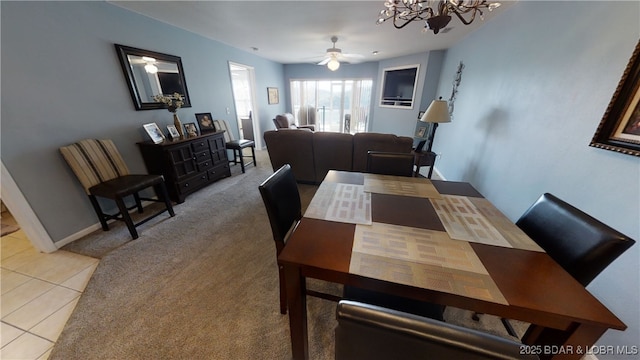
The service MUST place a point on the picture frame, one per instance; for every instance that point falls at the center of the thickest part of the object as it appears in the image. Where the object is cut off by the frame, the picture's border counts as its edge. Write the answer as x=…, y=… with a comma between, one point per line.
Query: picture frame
x=272, y=95
x=619, y=129
x=205, y=122
x=154, y=132
x=190, y=129
x=420, y=113
x=173, y=132
x=422, y=130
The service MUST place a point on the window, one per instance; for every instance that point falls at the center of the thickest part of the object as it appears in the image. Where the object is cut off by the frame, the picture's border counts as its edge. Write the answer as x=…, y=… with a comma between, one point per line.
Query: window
x=399, y=86
x=332, y=105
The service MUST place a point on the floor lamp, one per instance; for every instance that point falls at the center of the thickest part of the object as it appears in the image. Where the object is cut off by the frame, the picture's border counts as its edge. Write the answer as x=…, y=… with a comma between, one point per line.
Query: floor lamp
x=437, y=112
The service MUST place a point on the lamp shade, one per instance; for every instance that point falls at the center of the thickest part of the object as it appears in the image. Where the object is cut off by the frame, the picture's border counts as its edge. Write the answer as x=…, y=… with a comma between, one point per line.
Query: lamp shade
x=437, y=112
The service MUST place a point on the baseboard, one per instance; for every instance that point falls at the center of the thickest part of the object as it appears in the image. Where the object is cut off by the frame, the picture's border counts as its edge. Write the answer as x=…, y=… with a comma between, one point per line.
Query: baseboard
x=88, y=230
x=438, y=173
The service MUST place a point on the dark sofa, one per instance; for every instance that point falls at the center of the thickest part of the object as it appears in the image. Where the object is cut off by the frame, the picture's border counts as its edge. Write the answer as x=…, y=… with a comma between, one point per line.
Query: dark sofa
x=312, y=154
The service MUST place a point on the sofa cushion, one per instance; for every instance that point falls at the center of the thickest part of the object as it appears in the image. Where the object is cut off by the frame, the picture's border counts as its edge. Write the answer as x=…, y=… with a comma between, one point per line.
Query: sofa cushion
x=365, y=142
x=293, y=147
x=331, y=151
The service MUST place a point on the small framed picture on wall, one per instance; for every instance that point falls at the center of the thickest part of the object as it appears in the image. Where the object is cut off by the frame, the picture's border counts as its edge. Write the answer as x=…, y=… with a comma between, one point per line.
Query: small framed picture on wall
x=273, y=96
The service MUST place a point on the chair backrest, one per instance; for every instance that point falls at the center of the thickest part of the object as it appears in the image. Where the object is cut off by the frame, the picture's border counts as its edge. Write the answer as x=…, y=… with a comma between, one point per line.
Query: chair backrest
x=581, y=244
x=390, y=163
x=282, y=200
x=284, y=121
x=223, y=125
x=94, y=161
x=371, y=332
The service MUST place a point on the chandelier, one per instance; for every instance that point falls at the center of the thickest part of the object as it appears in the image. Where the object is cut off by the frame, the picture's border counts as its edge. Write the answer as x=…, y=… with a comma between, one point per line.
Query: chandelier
x=435, y=13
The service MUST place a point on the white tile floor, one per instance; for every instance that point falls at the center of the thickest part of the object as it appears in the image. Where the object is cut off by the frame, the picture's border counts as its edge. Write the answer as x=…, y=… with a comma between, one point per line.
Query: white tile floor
x=38, y=293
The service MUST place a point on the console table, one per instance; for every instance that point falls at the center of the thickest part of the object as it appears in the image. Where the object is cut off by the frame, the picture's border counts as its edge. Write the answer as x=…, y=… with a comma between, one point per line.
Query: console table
x=187, y=163
x=424, y=158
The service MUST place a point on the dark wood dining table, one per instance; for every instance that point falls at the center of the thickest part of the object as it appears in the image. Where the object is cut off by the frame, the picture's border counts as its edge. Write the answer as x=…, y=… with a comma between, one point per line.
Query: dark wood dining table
x=502, y=273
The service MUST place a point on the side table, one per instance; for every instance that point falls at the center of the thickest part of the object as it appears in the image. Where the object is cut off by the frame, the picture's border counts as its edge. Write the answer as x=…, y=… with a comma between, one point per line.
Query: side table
x=424, y=158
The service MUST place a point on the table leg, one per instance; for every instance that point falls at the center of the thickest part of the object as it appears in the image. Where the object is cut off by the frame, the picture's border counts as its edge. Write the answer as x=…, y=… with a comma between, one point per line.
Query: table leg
x=557, y=344
x=297, y=303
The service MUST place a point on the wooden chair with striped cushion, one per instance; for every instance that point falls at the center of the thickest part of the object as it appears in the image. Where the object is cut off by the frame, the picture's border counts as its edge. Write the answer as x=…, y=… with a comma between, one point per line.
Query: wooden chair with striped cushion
x=237, y=146
x=102, y=172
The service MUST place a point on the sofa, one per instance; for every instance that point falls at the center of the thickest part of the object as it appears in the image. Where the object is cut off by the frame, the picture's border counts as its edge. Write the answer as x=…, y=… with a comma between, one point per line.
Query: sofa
x=312, y=154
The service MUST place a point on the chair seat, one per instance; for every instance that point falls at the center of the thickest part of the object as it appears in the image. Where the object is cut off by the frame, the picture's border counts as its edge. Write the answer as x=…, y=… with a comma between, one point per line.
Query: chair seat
x=125, y=185
x=240, y=144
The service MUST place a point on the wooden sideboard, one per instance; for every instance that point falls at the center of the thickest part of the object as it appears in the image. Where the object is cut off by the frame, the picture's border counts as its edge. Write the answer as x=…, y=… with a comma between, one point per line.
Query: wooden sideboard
x=188, y=164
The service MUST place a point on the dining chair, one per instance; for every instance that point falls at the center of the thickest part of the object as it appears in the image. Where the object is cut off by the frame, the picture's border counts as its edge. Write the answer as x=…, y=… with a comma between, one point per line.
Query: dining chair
x=370, y=332
x=578, y=242
x=282, y=201
x=390, y=163
x=103, y=173
x=237, y=146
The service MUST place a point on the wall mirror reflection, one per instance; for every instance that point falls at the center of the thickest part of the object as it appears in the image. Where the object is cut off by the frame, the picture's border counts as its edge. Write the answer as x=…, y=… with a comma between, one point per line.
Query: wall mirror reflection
x=150, y=73
x=399, y=86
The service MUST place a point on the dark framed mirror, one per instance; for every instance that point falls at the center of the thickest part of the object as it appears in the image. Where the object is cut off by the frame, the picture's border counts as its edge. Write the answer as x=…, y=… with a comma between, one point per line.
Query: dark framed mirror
x=150, y=73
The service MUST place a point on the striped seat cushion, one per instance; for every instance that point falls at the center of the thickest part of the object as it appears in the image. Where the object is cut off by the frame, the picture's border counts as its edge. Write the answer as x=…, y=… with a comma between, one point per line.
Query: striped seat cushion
x=222, y=125
x=94, y=161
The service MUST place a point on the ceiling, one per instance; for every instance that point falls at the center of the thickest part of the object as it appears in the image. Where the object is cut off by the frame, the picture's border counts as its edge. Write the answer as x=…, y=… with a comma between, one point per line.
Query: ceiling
x=291, y=32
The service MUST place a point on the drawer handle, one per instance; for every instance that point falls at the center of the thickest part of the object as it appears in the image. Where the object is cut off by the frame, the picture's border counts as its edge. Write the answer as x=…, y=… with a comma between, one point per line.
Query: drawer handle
x=201, y=144
x=186, y=185
x=203, y=177
x=206, y=164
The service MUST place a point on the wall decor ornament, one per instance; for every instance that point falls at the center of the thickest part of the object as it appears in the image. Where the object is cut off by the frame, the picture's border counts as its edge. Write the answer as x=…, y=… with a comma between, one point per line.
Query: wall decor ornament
x=454, y=90
x=619, y=129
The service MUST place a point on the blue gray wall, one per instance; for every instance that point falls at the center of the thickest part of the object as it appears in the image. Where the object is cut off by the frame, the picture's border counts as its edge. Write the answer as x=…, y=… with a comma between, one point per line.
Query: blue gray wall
x=536, y=83
x=61, y=82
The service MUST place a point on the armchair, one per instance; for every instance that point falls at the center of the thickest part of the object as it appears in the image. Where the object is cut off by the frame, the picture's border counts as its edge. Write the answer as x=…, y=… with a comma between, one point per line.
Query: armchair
x=287, y=121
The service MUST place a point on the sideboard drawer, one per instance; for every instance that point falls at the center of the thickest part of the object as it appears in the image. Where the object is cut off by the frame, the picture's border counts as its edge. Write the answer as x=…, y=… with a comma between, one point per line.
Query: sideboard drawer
x=192, y=184
x=199, y=145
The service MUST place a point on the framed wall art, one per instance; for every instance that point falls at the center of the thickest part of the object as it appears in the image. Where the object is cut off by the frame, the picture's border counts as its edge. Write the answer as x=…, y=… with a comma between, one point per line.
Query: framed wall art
x=619, y=129
x=272, y=95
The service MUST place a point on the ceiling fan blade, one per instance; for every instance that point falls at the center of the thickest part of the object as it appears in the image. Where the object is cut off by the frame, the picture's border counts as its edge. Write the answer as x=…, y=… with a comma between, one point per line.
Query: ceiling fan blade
x=324, y=62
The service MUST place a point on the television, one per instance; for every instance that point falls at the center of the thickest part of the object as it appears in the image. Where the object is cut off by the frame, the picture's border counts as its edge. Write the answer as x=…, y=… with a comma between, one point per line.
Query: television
x=399, y=86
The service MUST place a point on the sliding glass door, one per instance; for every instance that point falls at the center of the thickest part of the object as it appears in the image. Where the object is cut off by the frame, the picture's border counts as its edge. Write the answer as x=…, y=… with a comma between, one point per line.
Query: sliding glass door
x=332, y=105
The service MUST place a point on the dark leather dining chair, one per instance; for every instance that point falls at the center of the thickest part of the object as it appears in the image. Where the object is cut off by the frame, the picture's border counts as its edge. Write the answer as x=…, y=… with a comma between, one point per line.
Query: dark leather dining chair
x=282, y=201
x=103, y=173
x=390, y=163
x=376, y=333
x=581, y=244
x=236, y=146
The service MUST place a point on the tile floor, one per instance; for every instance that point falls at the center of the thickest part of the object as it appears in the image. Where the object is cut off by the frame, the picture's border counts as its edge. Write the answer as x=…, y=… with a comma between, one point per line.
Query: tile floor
x=38, y=293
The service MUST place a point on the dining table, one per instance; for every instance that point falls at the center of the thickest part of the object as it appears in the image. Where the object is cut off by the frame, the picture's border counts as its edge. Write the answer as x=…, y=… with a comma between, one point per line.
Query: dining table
x=440, y=242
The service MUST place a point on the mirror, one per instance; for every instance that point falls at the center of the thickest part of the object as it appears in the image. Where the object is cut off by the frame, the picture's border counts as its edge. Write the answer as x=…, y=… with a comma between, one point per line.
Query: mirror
x=399, y=86
x=150, y=73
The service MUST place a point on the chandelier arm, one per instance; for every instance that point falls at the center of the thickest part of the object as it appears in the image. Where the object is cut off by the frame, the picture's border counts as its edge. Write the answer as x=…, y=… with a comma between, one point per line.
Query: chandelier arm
x=473, y=16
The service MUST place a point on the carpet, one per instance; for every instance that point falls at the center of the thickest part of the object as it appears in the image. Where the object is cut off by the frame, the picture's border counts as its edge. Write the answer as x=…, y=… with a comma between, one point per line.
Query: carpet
x=200, y=285
x=7, y=229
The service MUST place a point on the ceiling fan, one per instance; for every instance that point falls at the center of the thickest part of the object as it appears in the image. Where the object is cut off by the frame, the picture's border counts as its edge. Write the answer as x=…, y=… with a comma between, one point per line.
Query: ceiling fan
x=335, y=56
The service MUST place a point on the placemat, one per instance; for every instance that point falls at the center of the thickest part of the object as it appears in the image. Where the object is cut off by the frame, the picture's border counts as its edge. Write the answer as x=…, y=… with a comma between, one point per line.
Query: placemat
x=396, y=185
x=421, y=258
x=339, y=202
x=512, y=233
x=464, y=221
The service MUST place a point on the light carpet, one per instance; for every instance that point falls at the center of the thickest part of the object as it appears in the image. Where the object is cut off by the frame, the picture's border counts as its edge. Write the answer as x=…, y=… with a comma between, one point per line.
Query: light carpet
x=200, y=285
